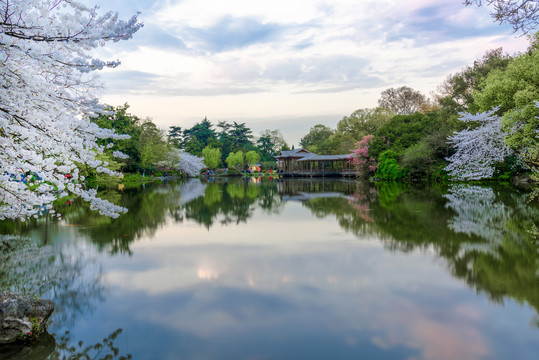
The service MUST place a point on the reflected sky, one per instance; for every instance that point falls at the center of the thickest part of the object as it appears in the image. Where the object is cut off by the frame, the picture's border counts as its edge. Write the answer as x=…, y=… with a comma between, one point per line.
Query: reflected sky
x=293, y=283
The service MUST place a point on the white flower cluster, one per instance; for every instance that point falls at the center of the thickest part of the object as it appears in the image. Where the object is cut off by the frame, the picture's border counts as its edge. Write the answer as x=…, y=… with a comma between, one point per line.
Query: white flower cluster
x=477, y=149
x=190, y=164
x=47, y=99
x=119, y=155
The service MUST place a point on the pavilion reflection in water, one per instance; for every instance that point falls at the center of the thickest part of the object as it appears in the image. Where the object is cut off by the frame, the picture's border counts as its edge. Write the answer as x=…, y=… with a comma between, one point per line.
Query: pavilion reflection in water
x=311, y=188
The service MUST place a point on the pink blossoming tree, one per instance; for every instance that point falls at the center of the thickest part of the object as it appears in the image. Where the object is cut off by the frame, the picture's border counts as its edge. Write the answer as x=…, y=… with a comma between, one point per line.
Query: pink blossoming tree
x=363, y=162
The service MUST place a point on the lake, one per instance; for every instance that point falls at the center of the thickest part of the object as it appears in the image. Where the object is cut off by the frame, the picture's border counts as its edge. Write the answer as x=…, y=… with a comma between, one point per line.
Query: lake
x=285, y=269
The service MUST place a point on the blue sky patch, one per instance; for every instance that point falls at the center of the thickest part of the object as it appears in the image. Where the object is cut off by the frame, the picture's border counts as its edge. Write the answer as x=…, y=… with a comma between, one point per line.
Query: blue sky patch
x=233, y=33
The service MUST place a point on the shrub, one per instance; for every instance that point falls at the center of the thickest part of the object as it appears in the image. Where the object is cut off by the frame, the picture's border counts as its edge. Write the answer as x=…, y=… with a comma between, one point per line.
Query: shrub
x=388, y=167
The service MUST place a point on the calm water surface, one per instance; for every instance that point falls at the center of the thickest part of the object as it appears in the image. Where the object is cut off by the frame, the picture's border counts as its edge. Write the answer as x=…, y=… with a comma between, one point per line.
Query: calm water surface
x=297, y=269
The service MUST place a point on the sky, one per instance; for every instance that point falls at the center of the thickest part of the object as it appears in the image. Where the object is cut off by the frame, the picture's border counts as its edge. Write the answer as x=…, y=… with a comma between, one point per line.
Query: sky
x=288, y=65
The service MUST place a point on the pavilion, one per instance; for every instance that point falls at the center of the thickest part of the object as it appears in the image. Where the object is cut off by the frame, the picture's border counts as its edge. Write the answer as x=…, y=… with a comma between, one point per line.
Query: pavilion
x=303, y=163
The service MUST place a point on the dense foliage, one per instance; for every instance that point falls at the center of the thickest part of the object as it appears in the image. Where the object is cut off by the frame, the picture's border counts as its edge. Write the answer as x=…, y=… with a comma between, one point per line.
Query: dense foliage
x=218, y=147
x=402, y=101
x=482, y=124
x=515, y=90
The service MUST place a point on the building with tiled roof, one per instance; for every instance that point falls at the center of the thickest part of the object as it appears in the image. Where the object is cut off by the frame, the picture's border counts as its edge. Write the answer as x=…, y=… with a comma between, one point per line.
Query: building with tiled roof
x=300, y=162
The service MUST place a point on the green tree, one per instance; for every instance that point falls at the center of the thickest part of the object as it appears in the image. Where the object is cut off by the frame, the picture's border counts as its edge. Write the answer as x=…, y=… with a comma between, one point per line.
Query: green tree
x=353, y=128
x=152, y=145
x=241, y=135
x=235, y=160
x=234, y=137
x=193, y=146
x=175, y=136
x=275, y=139
x=403, y=131
x=252, y=157
x=316, y=136
x=270, y=143
x=343, y=143
x=515, y=90
x=124, y=123
x=225, y=139
x=328, y=146
x=403, y=100
x=93, y=177
x=204, y=133
x=364, y=122
x=455, y=93
x=426, y=159
x=212, y=157
x=265, y=146
x=388, y=167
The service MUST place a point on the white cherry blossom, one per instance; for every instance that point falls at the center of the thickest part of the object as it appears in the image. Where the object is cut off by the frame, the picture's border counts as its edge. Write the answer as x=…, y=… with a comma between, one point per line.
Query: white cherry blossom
x=47, y=98
x=190, y=164
x=477, y=149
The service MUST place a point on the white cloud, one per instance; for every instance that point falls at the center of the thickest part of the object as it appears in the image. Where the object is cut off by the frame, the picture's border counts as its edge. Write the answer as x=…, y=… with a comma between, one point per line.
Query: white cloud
x=208, y=12
x=262, y=59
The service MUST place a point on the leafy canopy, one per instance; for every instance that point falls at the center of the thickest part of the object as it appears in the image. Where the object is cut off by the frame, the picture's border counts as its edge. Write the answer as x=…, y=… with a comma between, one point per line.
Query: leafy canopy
x=212, y=157
x=403, y=100
x=515, y=92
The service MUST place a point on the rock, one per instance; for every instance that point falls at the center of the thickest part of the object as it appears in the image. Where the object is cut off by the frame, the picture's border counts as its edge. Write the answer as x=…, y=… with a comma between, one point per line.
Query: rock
x=22, y=318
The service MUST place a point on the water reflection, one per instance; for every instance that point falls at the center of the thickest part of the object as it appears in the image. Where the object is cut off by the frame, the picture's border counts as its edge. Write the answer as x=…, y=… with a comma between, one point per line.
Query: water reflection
x=498, y=257
x=41, y=350
x=232, y=202
x=298, y=269
x=50, y=348
x=69, y=275
x=493, y=217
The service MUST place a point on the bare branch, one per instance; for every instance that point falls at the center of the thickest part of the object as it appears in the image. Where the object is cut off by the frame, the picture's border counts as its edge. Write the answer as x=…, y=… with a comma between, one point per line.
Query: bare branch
x=522, y=15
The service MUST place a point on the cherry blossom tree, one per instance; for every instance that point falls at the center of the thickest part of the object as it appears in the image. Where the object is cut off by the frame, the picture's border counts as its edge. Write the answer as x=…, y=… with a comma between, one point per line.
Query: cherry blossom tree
x=189, y=164
x=361, y=159
x=181, y=160
x=477, y=149
x=47, y=99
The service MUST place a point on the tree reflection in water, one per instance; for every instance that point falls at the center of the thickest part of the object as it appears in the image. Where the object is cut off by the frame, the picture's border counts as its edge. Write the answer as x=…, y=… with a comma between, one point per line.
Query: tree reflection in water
x=480, y=233
x=69, y=276
x=498, y=257
x=63, y=348
x=232, y=202
x=104, y=350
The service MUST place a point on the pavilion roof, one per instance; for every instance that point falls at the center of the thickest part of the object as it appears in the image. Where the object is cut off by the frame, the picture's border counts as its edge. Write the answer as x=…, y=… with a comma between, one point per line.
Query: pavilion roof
x=296, y=153
x=315, y=157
